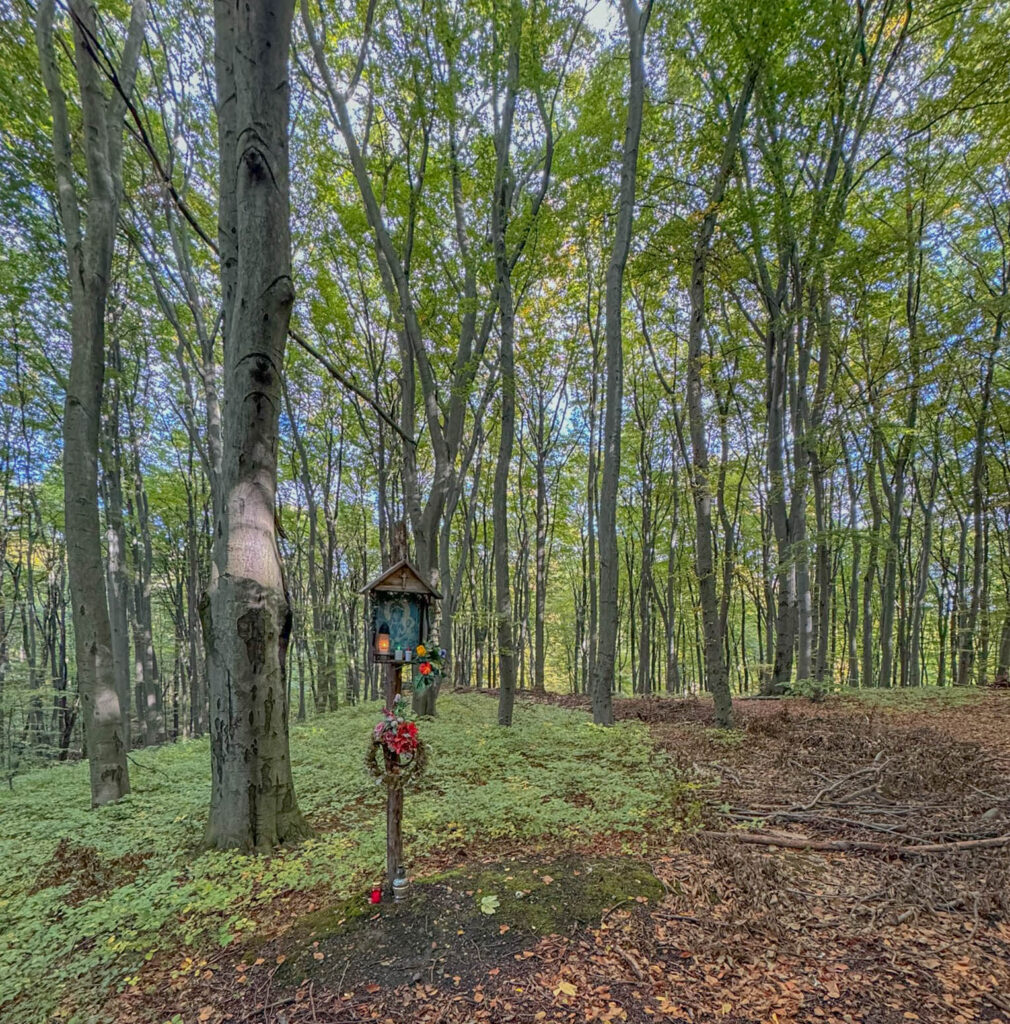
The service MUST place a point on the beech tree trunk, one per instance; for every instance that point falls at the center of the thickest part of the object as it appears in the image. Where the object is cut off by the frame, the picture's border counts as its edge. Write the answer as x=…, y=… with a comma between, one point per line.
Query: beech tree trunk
x=247, y=615
x=506, y=309
x=89, y=233
x=636, y=20
x=716, y=676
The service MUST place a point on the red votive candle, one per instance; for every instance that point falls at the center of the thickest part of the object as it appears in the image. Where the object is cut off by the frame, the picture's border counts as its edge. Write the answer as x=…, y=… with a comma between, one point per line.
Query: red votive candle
x=376, y=896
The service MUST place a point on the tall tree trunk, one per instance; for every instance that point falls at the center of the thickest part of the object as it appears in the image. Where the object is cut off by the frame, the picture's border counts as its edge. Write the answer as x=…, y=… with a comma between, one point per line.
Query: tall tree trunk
x=921, y=580
x=716, y=676
x=89, y=249
x=542, y=512
x=115, y=546
x=852, y=619
x=253, y=804
x=871, y=575
x=503, y=277
x=966, y=640
x=636, y=20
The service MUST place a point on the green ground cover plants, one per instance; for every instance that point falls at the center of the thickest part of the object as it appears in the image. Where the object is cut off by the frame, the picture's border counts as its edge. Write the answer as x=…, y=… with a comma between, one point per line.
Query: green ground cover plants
x=94, y=894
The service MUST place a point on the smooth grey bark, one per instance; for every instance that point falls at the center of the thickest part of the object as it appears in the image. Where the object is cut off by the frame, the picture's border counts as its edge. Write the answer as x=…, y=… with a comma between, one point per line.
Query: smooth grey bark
x=319, y=596
x=969, y=619
x=642, y=670
x=852, y=616
x=503, y=188
x=636, y=21
x=115, y=546
x=247, y=611
x=592, y=505
x=894, y=490
x=927, y=505
x=1003, y=655
x=150, y=703
x=89, y=232
x=716, y=676
x=871, y=575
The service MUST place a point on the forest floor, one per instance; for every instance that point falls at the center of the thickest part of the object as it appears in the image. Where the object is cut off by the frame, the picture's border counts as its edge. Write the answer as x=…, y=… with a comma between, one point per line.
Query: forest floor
x=786, y=887
x=660, y=870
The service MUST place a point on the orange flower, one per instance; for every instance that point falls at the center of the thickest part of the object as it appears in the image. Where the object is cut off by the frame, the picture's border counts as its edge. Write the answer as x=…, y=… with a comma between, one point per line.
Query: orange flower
x=424, y=668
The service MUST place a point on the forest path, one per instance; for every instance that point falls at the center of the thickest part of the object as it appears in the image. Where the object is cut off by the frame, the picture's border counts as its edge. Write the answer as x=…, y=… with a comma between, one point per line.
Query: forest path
x=746, y=933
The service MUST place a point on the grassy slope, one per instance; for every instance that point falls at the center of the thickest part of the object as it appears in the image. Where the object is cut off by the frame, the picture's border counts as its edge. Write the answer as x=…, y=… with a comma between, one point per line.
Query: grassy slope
x=70, y=939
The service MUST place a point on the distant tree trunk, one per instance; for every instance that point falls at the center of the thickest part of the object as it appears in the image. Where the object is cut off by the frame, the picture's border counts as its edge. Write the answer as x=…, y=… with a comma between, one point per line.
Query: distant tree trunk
x=673, y=680
x=870, y=576
x=636, y=20
x=198, y=700
x=150, y=701
x=643, y=591
x=542, y=512
x=969, y=618
x=593, y=620
x=115, y=546
x=326, y=673
x=89, y=249
x=716, y=676
x=921, y=581
x=852, y=620
x=248, y=621
x=1003, y=658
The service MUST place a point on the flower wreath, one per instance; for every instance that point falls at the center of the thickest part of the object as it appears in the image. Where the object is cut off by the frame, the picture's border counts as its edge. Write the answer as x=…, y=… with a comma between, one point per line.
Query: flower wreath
x=403, y=754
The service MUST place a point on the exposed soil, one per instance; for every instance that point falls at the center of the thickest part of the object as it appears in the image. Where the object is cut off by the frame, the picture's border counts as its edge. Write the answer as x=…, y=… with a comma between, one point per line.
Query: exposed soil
x=450, y=931
x=745, y=928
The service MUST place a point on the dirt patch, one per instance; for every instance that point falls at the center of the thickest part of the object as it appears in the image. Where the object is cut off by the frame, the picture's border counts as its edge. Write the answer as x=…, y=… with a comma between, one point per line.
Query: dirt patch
x=88, y=873
x=454, y=928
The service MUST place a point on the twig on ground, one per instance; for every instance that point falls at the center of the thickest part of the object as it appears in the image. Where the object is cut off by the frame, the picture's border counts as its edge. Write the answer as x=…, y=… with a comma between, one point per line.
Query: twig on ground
x=876, y=767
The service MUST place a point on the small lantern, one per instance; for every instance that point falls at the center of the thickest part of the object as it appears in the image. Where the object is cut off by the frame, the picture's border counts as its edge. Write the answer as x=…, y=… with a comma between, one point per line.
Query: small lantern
x=382, y=641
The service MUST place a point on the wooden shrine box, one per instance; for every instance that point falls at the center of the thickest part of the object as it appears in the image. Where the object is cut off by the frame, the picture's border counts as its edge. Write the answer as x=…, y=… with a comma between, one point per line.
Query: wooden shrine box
x=400, y=606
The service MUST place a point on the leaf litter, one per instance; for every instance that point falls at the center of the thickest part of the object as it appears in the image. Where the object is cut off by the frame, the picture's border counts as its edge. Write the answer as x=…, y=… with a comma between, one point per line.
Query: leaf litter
x=745, y=931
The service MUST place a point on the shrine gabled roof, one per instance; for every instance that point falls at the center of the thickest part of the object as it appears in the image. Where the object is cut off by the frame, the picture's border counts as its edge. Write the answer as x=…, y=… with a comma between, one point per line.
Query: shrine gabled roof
x=401, y=578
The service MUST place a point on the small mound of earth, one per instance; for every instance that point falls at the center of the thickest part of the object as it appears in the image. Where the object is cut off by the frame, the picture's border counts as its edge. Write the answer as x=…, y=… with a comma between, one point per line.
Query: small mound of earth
x=453, y=929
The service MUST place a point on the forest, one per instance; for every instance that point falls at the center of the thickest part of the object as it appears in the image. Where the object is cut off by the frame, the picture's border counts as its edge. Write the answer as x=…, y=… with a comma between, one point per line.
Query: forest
x=664, y=340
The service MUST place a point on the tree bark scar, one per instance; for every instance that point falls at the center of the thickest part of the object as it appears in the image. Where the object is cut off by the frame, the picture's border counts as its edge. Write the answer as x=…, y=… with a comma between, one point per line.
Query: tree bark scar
x=252, y=629
x=268, y=710
x=262, y=372
x=256, y=164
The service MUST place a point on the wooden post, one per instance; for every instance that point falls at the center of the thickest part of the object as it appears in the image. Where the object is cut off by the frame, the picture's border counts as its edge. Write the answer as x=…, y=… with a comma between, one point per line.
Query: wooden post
x=394, y=793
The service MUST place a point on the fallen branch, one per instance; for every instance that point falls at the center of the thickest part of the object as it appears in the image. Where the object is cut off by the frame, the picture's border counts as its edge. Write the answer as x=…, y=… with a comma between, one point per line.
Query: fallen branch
x=843, y=845
x=876, y=767
x=997, y=1000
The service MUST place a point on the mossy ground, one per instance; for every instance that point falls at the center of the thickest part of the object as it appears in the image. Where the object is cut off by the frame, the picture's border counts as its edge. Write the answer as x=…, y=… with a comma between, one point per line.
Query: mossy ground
x=443, y=934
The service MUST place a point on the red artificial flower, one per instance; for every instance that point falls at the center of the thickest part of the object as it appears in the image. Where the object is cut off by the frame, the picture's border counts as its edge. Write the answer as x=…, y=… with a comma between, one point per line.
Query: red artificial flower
x=424, y=668
x=404, y=739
